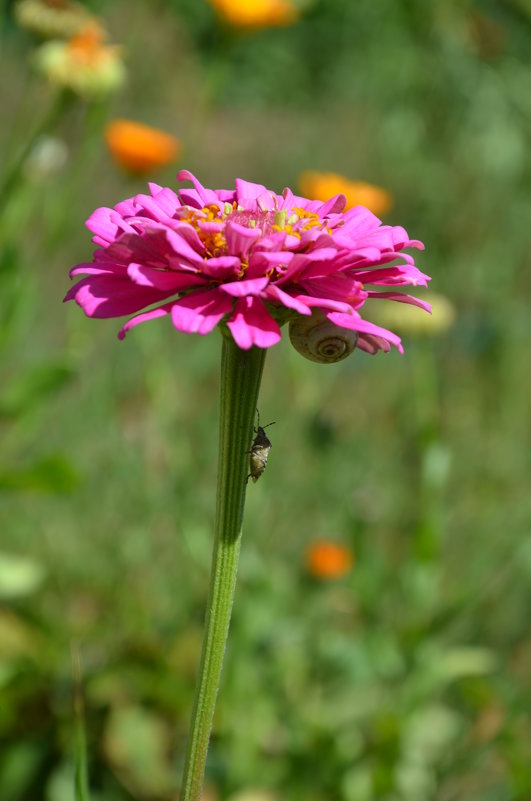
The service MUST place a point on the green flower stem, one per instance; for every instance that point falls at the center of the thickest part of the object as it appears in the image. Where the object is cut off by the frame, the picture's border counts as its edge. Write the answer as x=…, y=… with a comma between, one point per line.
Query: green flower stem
x=81, y=773
x=12, y=175
x=241, y=373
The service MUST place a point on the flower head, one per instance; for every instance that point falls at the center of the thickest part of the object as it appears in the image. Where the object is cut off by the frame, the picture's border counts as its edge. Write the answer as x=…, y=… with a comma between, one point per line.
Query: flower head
x=316, y=185
x=84, y=64
x=246, y=258
x=140, y=148
x=329, y=560
x=256, y=13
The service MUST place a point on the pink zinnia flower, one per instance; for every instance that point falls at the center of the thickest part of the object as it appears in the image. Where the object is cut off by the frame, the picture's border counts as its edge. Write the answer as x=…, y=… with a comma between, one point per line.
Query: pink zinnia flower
x=247, y=257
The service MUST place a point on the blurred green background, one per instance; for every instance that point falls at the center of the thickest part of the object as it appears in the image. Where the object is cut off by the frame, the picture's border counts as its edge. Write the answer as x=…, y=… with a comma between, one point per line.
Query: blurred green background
x=409, y=679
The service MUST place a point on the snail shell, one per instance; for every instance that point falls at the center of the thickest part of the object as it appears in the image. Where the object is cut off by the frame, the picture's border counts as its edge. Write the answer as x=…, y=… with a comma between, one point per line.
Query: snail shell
x=319, y=340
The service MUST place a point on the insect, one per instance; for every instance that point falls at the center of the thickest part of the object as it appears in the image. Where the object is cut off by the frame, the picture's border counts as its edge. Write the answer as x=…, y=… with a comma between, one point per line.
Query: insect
x=259, y=451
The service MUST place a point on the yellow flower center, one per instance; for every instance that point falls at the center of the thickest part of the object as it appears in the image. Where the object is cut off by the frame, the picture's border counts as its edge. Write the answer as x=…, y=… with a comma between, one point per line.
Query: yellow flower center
x=214, y=242
x=293, y=222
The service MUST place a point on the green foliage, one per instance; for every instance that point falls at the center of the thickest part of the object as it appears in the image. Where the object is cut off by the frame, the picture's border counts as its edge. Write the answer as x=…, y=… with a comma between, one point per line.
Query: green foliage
x=407, y=679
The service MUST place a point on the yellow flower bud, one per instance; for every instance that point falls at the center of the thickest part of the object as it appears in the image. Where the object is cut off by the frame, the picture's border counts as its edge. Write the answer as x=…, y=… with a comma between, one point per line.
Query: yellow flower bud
x=410, y=320
x=84, y=64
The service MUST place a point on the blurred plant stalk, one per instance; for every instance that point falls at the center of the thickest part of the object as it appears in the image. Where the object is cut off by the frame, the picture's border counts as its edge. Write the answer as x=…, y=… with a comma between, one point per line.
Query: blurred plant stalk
x=13, y=174
x=82, y=67
x=241, y=373
x=80, y=750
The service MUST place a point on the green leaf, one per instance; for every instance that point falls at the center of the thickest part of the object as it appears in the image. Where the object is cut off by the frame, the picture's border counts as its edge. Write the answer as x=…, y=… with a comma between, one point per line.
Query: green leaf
x=429, y=733
x=18, y=639
x=53, y=473
x=33, y=386
x=18, y=767
x=460, y=662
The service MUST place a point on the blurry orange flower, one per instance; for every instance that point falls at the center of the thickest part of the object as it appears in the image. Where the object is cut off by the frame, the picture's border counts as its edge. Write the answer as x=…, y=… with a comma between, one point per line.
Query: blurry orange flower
x=256, y=13
x=329, y=560
x=85, y=63
x=324, y=185
x=140, y=148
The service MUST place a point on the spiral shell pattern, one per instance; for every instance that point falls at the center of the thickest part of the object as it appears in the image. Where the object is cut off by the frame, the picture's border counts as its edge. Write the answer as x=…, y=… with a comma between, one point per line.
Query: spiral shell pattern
x=319, y=340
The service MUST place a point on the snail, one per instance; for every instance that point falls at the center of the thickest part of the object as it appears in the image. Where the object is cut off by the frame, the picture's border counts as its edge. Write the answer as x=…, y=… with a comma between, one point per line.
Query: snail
x=318, y=339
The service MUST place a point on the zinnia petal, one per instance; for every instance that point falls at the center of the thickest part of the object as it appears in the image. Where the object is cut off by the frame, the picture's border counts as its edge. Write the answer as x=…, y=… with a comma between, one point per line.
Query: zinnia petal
x=204, y=196
x=165, y=198
x=274, y=292
x=355, y=323
x=106, y=224
x=166, y=281
x=245, y=190
x=398, y=275
x=332, y=206
x=221, y=267
x=161, y=311
x=251, y=324
x=239, y=289
x=200, y=312
x=402, y=297
x=180, y=247
x=240, y=239
x=112, y=296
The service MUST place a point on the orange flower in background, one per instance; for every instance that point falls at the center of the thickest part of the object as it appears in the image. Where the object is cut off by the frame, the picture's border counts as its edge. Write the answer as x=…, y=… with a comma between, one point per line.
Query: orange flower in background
x=329, y=560
x=140, y=148
x=256, y=13
x=324, y=185
x=88, y=47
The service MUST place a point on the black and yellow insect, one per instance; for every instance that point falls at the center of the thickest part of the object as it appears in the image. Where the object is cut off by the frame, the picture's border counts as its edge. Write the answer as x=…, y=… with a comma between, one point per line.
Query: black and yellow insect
x=259, y=452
